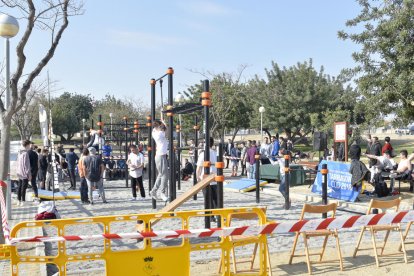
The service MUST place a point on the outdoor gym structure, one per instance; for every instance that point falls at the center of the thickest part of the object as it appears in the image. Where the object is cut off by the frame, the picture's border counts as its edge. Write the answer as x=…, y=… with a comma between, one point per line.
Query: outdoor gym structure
x=187, y=108
x=125, y=132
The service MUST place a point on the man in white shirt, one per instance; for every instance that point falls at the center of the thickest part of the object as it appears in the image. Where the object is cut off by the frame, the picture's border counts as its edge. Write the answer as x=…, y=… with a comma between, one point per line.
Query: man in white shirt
x=213, y=169
x=265, y=151
x=135, y=165
x=161, y=163
x=385, y=162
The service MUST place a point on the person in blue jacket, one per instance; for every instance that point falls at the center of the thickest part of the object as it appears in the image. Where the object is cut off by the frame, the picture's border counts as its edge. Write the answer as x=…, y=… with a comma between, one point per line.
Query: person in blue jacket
x=106, y=149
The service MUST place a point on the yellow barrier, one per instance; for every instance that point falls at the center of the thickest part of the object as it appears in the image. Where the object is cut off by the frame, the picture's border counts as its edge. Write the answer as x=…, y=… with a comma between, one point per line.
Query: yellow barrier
x=133, y=258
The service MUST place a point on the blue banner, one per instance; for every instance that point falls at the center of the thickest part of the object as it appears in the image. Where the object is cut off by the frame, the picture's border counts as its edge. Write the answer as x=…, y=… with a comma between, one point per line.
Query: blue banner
x=339, y=181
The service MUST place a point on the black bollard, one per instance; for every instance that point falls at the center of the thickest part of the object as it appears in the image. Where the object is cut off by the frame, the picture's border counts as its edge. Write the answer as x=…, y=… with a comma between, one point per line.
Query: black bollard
x=287, y=182
x=257, y=175
x=324, y=173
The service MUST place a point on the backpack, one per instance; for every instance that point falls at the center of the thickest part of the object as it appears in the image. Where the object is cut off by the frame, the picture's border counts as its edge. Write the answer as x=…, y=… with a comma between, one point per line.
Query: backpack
x=381, y=188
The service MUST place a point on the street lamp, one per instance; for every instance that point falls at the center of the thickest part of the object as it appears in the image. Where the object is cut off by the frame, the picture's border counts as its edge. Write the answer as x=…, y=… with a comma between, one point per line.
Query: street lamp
x=83, y=131
x=261, y=110
x=179, y=99
x=110, y=116
x=9, y=27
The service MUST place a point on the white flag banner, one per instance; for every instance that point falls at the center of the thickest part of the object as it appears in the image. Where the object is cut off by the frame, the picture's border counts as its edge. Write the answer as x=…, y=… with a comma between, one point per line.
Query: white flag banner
x=43, y=125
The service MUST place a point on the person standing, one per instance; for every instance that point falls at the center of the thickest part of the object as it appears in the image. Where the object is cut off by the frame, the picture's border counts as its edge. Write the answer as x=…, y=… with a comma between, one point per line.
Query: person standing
x=72, y=159
x=213, y=170
x=275, y=147
x=282, y=185
x=234, y=154
x=161, y=163
x=250, y=158
x=106, y=149
x=135, y=165
x=23, y=172
x=387, y=146
x=43, y=165
x=265, y=151
x=34, y=167
x=93, y=171
x=243, y=152
x=375, y=149
x=83, y=183
x=227, y=152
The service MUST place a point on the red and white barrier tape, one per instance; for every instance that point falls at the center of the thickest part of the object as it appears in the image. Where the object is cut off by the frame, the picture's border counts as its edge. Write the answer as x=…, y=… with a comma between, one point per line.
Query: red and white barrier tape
x=231, y=158
x=4, y=222
x=342, y=222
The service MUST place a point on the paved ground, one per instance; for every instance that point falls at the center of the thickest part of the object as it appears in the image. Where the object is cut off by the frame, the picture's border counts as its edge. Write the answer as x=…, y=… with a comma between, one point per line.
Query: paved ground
x=118, y=197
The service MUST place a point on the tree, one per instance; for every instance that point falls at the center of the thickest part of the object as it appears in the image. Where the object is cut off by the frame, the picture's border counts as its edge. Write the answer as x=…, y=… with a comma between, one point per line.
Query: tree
x=385, y=65
x=26, y=120
x=68, y=110
x=133, y=109
x=47, y=15
x=230, y=99
x=290, y=95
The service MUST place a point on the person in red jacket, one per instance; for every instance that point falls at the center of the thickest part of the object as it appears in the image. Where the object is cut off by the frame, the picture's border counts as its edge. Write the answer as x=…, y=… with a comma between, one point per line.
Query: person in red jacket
x=387, y=146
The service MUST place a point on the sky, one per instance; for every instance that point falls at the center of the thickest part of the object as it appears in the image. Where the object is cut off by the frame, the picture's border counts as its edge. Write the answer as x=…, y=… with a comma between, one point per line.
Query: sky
x=116, y=47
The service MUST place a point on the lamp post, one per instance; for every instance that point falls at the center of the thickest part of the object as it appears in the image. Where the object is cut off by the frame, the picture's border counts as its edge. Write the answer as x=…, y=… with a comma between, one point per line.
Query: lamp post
x=179, y=99
x=261, y=110
x=83, y=131
x=9, y=27
x=110, y=116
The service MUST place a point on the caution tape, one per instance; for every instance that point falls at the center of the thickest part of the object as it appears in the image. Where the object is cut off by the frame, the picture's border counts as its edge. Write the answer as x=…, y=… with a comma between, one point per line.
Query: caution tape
x=342, y=222
x=4, y=222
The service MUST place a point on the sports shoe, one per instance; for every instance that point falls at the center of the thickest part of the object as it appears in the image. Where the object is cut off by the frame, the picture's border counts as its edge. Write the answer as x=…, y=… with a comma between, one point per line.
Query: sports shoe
x=133, y=199
x=164, y=197
x=153, y=194
x=22, y=203
x=105, y=201
x=142, y=198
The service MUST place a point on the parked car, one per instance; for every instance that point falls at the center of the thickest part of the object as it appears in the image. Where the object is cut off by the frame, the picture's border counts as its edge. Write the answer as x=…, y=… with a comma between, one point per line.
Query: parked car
x=405, y=131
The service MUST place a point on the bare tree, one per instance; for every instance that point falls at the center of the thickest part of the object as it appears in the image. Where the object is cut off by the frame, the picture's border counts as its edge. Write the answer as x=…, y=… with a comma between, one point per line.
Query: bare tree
x=26, y=119
x=46, y=15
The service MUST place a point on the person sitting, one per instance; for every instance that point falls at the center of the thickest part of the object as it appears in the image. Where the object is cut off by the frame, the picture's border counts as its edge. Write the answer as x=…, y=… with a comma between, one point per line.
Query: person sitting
x=358, y=170
x=110, y=167
x=384, y=164
x=404, y=169
x=121, y=168
x=187, y=171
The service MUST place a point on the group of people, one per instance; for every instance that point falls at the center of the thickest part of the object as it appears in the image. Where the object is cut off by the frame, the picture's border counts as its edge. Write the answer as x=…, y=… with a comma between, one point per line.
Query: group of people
x=244, y=153
x=381, y=165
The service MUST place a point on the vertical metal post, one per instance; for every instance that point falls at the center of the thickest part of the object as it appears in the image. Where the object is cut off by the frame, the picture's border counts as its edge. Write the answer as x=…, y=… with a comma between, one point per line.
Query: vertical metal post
x=152, y=142
x=126, y=150
x=178, y=130
x=100, y=134
x=324, y=173
x=149, y=153
x=196, y=128
x=287, y=182
x=7, y=104
x=257, y=176
x=172, y=184
x=220, y=179
x=206, y=103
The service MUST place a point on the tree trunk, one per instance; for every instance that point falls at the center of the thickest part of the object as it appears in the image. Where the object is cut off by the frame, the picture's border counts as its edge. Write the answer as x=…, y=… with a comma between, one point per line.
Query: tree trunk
x=4, y=159
x=236, y=130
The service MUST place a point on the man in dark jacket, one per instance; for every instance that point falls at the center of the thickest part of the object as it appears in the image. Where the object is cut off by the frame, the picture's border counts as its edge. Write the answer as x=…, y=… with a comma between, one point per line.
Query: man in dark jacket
x=34, y=167
x=72, y=159
x=375, y=150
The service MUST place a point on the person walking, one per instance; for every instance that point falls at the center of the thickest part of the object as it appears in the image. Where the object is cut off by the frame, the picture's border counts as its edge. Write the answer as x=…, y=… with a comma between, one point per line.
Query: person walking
x=135, y=165
x=161, y=163
x=72, y=159
x=93, y=171
x=23, y=172
x=34, y=167
x=282, y=185
x=83, y=182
